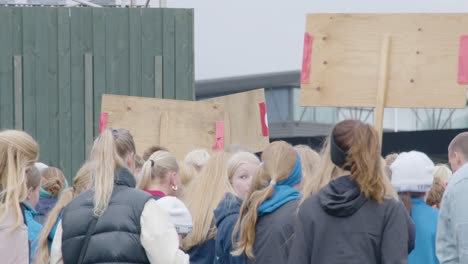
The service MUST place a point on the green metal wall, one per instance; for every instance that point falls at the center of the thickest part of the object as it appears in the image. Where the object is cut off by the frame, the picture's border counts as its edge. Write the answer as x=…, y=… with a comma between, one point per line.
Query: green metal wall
x=55, y=63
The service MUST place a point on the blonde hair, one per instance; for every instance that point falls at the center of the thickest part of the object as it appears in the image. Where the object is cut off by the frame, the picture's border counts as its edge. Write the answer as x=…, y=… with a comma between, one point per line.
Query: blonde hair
x=33, y=178
x=278, y=159
x=324, y=173
x=238, y=160
x=442, y=172
x=157, y=166
x=310, y=160
x=197, y=158
x=53, y=181
x=139, y=162
x=187, y=173
x=149, y=151
x=18, y=152
x=203, y=196
x=108, y=153
x=434, y=196
x=81, y=183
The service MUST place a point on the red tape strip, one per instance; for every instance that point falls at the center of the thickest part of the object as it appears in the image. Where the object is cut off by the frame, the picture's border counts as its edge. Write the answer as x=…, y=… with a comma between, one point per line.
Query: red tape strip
x=103, y=121
x=308, y=39
x=264, y=119
x=463, y=60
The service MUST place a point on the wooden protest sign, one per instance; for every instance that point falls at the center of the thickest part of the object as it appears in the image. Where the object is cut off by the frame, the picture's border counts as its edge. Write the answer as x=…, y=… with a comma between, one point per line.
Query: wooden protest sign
x=184, y=125
x=385, y=60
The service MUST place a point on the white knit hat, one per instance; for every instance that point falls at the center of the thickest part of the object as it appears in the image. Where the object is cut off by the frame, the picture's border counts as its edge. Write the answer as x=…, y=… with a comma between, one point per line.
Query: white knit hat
x=412, y=172
x=40, y=166
x=179, y=215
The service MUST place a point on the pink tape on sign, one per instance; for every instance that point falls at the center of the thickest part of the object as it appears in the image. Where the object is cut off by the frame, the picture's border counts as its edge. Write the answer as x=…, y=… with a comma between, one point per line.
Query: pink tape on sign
x=463, y=60
x=103, y=122
x=306, y=58
x=219, y=136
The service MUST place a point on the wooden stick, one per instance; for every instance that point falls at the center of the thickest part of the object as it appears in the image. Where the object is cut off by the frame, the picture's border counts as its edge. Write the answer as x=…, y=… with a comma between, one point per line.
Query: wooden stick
x=382, y=86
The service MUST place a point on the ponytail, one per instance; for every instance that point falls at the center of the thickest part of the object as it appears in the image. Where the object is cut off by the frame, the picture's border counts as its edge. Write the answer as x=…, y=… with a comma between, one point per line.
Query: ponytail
x=42, y=253
x=106, y=159
x=144, y=181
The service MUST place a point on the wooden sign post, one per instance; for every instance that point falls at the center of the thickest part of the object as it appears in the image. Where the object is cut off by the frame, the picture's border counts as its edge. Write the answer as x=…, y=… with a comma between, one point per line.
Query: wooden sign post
x=385, y=60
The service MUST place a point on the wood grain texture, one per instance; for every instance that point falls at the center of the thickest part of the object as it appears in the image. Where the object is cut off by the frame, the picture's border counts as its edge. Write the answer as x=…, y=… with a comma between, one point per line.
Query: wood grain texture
x=423, y=60
x=242, y=123
x=178, y=125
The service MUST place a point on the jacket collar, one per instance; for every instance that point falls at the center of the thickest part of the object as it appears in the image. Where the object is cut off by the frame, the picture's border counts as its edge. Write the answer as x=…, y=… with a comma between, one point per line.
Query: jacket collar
x=125, y=178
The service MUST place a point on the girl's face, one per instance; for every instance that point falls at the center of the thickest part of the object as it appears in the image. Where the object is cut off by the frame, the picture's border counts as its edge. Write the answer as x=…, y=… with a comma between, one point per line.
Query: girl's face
x=242, y=178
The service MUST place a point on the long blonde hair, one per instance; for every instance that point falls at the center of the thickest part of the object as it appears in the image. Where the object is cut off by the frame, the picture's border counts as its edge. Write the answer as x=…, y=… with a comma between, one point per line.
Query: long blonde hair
x=81, y=183
x=442, y=172
x=108, y=153
x=53, y=181
x=197, y=158
x=323, y=174
x=18, y=152
x=203, y=196
x=157, y=166
x=310, y=160
x=238, y=160
x=278, y=160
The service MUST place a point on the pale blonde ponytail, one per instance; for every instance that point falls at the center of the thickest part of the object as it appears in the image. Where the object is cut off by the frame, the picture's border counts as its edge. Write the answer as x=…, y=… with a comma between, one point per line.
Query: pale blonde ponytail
x=105, y=154
x=18, y=152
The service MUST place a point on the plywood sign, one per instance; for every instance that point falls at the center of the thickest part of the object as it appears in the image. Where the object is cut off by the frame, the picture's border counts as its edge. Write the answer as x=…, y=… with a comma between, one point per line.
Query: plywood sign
x=345, y=53
x=245, y=122
x=178, y=125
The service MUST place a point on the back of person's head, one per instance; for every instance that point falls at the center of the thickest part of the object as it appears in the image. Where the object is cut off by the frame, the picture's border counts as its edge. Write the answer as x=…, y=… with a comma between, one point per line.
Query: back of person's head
x=40, y=166
x=325, y=172
x=412, y=176
x=245, y=165
x=310, y=160
x=179, y=215
x=442, y=172
x=187, y=173
x=389, y=159
x=356, y=147
x=113, y=149
x=197, y=158
x=33, y=182
x=434, y=196
x=278, y=160
x=202, y=197
x=18, y=152
x=161, y=166
x=458, y=151
x=53, y=181
x=149, y=151
x=81, y=183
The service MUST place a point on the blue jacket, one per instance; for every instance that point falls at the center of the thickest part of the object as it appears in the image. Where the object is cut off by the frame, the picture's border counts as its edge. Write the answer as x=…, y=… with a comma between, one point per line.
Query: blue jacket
x=425, y=220
x=43, y=208
x=34, y=229
x=226, y=217
x=203, y=253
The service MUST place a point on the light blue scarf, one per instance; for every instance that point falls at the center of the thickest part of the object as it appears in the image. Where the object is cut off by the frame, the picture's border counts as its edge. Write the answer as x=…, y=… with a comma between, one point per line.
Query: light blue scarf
x=284, y=191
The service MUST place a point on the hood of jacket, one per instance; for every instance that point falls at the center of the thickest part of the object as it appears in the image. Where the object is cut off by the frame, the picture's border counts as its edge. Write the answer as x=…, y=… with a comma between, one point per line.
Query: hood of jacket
x=230, y=205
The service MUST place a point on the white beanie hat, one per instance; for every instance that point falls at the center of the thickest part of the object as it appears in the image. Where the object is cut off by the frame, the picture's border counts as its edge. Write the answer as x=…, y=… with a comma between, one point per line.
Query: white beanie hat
x=412, y=172
x=179, y=215
x=40, y=166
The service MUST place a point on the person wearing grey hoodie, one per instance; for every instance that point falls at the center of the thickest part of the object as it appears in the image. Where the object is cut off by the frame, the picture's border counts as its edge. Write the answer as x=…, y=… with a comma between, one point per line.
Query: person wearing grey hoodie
x=350, y=220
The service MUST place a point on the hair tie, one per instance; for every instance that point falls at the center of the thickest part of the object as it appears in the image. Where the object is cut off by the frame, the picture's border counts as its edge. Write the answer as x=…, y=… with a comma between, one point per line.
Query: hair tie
x=272, y=182
x=152, y=163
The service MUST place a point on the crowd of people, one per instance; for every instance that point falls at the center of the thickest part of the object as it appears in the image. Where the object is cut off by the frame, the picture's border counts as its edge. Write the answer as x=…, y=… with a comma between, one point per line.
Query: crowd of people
x=289, y=204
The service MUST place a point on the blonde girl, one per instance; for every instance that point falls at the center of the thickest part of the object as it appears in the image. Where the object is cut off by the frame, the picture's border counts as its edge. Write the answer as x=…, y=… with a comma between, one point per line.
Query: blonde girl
x=53, y=183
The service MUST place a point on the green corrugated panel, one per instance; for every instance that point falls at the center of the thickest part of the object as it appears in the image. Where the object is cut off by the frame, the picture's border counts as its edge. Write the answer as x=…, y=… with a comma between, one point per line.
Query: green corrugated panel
x=99, y=62
x=29, y=71
x=64, y=85
x=119, y=19
x=135, y=51
x=6, y=69
x=184, y=55
x=149, y=49
x=41, y=83
x=111, y=66
x=169, y=54
x=53, y=90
